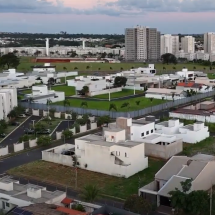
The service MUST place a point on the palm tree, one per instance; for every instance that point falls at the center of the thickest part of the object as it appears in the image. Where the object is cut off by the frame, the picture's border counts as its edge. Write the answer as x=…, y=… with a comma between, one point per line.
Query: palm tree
x=64, y=68
x=30, y=100
x=49, y=101
x=112, y=107
x=66, y=103
x=151, y=100
x=84, y=104
x=137, y=103
x=90, y=193
x=126, y=104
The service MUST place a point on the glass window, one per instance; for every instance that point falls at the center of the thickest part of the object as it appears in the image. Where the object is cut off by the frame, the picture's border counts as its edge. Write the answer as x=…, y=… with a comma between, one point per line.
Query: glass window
x=147, y=132
x=142, y=135
x=152, y=131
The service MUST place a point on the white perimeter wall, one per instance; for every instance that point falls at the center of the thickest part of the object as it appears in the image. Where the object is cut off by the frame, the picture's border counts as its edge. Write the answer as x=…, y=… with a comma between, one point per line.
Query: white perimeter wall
x=113, y=90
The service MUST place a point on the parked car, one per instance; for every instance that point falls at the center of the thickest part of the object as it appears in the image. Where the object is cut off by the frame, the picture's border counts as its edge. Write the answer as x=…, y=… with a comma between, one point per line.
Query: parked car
x=22, y=116
x=15, y=123
x=2, y=135
x=29, y=131
x=45, y=131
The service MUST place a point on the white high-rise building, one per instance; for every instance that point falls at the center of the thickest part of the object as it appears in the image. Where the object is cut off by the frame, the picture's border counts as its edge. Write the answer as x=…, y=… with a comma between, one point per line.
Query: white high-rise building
x=188, y=44
x=8, y=100
x=209, y=42
x=47, y=46
x=169, y=44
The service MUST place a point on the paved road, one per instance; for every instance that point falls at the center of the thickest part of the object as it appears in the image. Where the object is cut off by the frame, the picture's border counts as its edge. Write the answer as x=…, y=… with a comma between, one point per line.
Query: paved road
x=63, y=126
x=14, y=136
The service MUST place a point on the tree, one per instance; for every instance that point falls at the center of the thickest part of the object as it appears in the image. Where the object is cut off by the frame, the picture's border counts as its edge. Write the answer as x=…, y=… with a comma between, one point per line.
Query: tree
x=192, y=203
x=103, y=120
x=44, y=140
x=52, y=111
x=137, y=103
x=84, y=104
x=67, y=134
x=90, y=193
x=3, y=124
x=66, y=103
x=126, y=104
x=168, y=58
x=40, y=126
x=9, y=60
x=87, y=67
x=103, y=55
x=137, y=204
x=85, y=90
x=112, y=107
x=120, y=81
x=85, y=117
x=74, y=116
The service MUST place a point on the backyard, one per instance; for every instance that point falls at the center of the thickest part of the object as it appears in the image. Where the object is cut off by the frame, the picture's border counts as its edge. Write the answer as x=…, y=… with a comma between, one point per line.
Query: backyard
x=109, y=185
x=104, y=105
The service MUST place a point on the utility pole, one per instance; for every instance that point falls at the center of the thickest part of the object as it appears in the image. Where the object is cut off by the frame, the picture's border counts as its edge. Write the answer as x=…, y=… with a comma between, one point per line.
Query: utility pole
x=109, y=90
x=134, y=83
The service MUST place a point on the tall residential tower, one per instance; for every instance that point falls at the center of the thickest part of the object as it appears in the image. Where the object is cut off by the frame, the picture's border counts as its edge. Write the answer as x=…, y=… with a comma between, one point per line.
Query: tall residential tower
x=188, y=44
x=209, y=42
x=169, y=44
x=142, y=43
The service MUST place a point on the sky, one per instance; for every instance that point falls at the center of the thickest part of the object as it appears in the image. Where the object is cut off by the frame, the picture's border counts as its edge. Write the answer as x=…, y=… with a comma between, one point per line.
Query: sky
x=106, y=16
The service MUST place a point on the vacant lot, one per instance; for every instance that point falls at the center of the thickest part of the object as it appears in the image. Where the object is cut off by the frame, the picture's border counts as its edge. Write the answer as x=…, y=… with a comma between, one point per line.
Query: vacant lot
x=62, y=175
x=26, y=65
x=104, y=105
x=123, y=93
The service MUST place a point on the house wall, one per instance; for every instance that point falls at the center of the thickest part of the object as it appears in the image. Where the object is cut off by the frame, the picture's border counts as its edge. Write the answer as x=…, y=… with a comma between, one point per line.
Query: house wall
x=18, y=147
x=163, y=152
x=112, y=90
x=99, y=159
x=189, y=136
x=200, y=118
x=112, y=136
x=172, y=129
x=160, y=96
x=4, y=151
x=54, y=155
x=137, y=130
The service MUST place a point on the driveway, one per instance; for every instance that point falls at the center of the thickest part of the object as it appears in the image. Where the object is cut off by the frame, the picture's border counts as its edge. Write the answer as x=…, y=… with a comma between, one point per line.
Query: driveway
x=15, y=135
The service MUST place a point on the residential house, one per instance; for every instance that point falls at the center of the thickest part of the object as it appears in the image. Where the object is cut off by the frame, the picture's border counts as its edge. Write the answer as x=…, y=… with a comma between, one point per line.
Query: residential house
x=196, y=87
x=166, y=94
x=13, y=194
x=200, y=168
x=192, y=133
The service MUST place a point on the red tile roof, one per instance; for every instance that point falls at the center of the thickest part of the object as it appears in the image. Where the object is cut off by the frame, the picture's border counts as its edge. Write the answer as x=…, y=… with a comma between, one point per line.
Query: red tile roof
x=70, y=211
x=183, y=84
x=67, y=201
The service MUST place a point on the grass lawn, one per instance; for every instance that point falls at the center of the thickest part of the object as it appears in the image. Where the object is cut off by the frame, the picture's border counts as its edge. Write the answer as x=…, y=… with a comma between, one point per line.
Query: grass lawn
x=69, y=91
x=109, y=185
x=104, y=105
x=26, y=64
x=123, y=93
x=206, y=146
x=211, y=75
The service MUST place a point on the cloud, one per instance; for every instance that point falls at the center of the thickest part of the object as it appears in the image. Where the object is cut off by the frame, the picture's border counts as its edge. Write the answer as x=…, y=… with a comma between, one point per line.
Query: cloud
x=144, y=6
x=35, y=6
x=112, y=8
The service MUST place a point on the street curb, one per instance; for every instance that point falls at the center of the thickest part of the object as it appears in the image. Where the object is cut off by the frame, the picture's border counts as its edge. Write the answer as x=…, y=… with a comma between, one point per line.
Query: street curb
x=15, y=129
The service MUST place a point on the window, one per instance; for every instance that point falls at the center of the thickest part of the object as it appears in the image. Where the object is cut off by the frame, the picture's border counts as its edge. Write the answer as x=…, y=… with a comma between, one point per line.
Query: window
x=142, y=135
x=147, y=132
x=7, y=204
x=125, y=154
x=152, y=131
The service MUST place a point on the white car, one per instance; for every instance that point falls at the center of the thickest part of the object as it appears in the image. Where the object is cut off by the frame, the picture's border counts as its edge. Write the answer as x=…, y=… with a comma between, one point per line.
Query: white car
x=22, y=116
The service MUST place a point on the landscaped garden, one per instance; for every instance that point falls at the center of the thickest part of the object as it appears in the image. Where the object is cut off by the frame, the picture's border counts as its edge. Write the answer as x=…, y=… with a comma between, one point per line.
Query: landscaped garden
x=122, y=105
x=109, y=185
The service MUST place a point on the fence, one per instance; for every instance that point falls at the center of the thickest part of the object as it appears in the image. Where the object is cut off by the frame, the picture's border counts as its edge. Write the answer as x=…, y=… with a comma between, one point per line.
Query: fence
x=115, y=114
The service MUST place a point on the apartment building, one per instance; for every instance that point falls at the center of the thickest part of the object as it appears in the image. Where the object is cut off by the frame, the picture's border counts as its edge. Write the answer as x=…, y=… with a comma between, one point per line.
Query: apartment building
x=169, y=44
x=153, y=44
x=142, y=43
x=136, y=43
x=8, y=100
x=188, y=44
x=209, y=42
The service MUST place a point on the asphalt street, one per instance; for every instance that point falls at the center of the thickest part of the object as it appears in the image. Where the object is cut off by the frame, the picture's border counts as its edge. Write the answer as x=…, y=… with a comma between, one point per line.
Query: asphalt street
x=15, y=135
x=63, y=126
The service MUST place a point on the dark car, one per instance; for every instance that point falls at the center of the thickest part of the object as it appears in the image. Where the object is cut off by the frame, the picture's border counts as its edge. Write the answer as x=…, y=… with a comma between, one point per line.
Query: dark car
x=15, y=123
x=29, y=131
x=2, y=135
x=45, y=131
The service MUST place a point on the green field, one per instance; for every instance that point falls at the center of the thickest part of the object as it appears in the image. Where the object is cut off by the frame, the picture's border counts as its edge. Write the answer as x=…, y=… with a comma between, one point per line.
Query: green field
x=211, y=75
x=26, y=64
x=69, y=91
x=65, y=176
x=104, y=105
x=123, y=93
